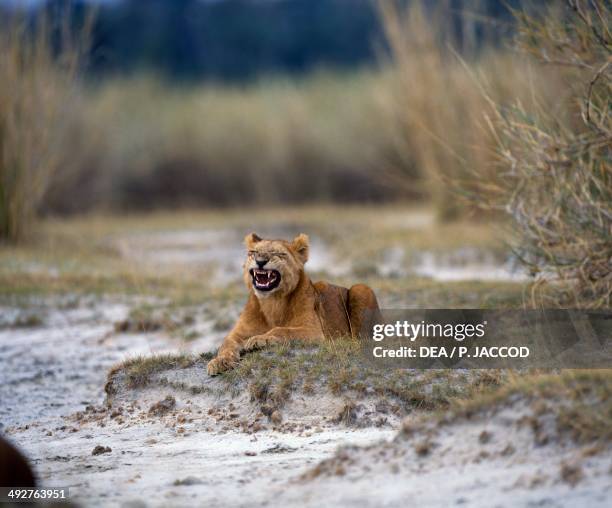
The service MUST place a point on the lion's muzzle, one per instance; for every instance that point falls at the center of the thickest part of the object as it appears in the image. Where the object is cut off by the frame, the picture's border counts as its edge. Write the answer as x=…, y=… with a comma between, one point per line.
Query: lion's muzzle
x=265, y=280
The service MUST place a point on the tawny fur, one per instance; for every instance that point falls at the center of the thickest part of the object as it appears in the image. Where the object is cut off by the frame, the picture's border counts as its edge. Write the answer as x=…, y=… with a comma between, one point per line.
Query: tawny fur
x=296, y=309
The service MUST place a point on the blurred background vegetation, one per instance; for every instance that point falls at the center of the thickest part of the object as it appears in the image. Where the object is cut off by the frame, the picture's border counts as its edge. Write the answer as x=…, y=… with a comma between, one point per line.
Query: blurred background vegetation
x=194, y=103
x=127, y=105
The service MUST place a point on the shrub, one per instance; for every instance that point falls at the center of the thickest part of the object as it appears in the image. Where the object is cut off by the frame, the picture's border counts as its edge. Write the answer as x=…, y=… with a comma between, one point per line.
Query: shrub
x=557, y=178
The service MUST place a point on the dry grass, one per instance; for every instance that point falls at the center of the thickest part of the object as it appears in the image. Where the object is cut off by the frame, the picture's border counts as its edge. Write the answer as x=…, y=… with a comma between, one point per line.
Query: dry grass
x=274, y=375
x=417, y=121
x=38, y=81
x=580, y=400
x=139, y=143
x=562, y=410
x=339, y=367
x=139, y=370
x=436, y=105
x=210, y=145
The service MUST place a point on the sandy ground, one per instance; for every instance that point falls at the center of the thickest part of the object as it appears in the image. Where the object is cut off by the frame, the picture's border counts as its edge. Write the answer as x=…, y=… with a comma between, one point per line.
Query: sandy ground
x=53, y=407
x=52, y=403
x=494, y=460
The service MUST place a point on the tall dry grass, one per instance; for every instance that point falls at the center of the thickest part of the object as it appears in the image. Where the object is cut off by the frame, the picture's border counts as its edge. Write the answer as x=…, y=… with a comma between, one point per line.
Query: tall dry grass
x=436, y=107
x=557, y=168
x=276, y=141
x=38, y=69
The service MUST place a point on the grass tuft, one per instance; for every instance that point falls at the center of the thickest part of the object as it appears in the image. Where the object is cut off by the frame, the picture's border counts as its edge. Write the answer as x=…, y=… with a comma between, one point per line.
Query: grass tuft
x=139, y=370
x=580, y=400
x=339, y=367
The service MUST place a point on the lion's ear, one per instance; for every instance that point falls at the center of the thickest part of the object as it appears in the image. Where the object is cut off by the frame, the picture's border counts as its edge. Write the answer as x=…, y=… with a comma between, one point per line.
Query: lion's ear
x=301, y=247
x=251, y=239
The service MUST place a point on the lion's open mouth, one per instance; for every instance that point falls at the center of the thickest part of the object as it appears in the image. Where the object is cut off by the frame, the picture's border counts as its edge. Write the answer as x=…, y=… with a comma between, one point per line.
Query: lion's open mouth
x=265, y=280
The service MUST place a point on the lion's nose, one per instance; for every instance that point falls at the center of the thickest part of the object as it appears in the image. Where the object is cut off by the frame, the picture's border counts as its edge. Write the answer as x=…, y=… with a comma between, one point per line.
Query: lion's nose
x=261, y=262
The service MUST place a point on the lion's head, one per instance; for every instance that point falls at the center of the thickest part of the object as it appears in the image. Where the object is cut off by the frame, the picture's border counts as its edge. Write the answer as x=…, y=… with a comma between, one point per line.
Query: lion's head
x=274, y=266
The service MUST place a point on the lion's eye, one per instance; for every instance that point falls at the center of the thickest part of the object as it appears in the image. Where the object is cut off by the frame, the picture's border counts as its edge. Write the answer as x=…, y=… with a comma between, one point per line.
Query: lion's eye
x=252, y=253
x=279, y=254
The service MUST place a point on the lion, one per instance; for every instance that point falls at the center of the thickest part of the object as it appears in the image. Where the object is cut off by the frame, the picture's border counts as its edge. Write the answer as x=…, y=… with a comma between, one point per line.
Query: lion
x=284, y=304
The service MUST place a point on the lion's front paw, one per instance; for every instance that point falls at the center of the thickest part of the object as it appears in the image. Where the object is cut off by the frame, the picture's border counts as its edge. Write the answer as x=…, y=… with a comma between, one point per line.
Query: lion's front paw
x=220, y=364
x=257, y=342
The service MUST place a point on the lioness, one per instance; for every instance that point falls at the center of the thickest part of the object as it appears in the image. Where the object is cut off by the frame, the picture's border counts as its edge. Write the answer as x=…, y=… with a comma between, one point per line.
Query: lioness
x=284, y=304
